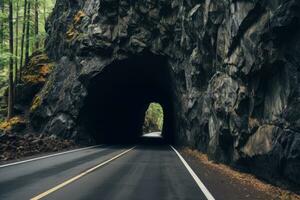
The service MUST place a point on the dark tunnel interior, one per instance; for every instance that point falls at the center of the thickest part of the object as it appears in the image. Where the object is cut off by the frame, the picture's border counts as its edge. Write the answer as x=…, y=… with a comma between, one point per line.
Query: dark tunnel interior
x=119, y=96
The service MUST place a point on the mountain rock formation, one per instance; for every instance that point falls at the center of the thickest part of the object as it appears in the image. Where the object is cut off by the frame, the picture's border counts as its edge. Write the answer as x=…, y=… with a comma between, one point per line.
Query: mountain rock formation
x=226, y=72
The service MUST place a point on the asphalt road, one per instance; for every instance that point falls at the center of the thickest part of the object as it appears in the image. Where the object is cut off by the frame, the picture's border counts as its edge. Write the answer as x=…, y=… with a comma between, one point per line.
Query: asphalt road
x=139, y=172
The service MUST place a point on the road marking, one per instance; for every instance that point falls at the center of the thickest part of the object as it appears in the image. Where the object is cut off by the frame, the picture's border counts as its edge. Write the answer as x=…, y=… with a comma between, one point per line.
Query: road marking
x=40, y=196
x=48, y=156
x=205, y=191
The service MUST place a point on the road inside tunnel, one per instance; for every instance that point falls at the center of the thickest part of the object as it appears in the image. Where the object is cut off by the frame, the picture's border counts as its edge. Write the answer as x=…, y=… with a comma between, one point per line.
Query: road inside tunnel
x=119, y=96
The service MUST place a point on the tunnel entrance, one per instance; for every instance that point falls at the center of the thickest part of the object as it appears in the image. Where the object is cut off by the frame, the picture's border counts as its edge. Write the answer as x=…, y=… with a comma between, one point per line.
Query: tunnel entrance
x=118, y=97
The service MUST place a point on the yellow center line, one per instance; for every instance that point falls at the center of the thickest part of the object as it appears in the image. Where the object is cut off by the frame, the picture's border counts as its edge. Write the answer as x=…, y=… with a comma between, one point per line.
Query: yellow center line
x=40, y=196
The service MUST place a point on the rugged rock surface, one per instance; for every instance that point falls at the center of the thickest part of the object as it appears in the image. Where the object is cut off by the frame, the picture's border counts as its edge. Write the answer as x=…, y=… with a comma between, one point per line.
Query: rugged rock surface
x=234, y=68
x=34, y=76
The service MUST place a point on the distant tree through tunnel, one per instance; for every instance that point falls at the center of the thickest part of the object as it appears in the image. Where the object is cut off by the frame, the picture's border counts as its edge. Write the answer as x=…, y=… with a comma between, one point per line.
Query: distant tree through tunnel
x=118, y=97
x=154, y=118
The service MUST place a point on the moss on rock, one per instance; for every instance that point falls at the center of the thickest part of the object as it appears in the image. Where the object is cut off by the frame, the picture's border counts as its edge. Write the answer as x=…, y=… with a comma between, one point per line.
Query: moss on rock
x=17, y=123
x=71, y=33
x=36, y=103
x=37, y=69
x=78, y=17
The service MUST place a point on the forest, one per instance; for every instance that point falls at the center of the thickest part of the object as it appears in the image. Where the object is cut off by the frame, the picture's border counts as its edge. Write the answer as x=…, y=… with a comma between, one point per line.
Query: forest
x=22, y=32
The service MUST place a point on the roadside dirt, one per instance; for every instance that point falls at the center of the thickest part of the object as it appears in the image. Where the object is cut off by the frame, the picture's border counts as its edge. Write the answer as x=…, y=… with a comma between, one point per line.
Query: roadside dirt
x=226, y=183
x=14, y=146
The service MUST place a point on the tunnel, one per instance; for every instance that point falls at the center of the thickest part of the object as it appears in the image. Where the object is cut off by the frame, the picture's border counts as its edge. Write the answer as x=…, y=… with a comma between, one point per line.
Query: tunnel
x=118, y=97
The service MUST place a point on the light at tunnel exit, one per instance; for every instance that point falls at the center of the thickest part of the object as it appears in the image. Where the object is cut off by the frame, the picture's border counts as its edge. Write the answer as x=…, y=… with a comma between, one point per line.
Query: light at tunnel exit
x=154, y=119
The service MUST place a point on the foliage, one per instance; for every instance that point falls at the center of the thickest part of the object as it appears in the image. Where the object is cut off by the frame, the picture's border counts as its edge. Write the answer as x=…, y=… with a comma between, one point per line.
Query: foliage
x=24, y=42
x=154, y=118
x=3, y=81
x=4, y=59
x=44, y=9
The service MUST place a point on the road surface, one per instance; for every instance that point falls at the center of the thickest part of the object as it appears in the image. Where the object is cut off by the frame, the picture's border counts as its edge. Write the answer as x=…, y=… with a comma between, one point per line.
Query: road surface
x=148, y=171
x=142, y=172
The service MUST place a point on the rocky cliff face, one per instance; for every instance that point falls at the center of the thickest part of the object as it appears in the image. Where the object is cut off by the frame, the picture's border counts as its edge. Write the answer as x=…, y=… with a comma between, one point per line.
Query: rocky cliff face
x=233, y=68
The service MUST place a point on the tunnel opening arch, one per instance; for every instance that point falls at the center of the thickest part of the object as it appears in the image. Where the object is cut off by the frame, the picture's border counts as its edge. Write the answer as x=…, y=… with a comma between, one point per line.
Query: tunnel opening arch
x=118, y=97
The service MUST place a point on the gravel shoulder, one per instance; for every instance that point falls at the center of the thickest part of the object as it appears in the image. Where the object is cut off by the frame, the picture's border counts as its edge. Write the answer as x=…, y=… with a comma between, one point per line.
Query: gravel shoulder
x=226, y=183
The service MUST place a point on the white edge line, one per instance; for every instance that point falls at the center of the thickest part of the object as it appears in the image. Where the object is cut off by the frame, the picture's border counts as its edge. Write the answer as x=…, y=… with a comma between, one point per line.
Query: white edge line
x=48, y=156
x=40, y=196
x=205, y=191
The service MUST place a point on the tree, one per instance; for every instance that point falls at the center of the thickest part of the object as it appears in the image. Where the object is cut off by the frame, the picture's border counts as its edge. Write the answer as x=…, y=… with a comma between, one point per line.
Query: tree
x=11, y=62
x=17, y=41
x=1, y=26
x=3, y=20
x=36, y=24
x=20, y=34
x=45, y=14
x=27, y=33
x=23, y=38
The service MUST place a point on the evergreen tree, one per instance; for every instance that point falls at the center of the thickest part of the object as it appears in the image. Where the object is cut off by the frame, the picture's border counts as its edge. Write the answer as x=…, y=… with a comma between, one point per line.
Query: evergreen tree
x=11, y=62
x=21, y=32
x=23, y=37
x=36, y=24
x=27, y=41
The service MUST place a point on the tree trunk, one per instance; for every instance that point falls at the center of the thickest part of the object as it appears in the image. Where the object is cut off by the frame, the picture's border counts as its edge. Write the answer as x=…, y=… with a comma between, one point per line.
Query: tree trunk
x=1, y=29
x=23, y=40
x=17, y=42
x=36, y=25
x=45, y=14
x=27, y=34
x=11, y=62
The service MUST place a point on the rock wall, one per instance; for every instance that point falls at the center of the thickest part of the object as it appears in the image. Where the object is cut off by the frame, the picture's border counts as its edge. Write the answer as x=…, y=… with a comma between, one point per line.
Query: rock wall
x=235, y=64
